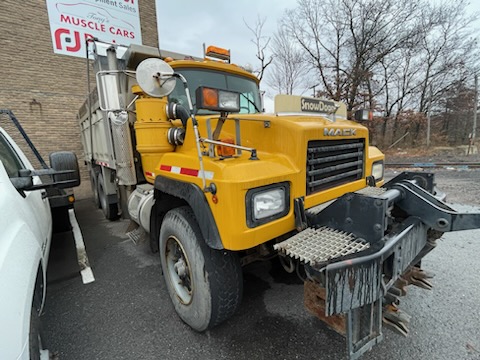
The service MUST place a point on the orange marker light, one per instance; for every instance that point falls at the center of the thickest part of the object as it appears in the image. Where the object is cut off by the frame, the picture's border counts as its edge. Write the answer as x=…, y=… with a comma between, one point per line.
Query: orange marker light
x=218, y=53
x=226, y=151
x=210, y=97
x=215, y=199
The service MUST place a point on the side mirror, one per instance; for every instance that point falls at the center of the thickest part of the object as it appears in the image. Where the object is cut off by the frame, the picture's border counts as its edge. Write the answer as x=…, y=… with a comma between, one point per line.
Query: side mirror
x=24, y=181
x=108, y=89
x=155, y=77
x=363, y=115
x=64, y=173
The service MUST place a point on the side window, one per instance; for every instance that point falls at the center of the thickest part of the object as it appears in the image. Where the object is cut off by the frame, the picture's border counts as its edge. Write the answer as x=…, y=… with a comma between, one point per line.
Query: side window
x=9, y=158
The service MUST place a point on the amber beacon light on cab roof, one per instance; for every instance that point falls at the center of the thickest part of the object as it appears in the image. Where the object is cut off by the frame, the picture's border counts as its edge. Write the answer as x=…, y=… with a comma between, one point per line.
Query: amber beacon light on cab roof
x=180, y=145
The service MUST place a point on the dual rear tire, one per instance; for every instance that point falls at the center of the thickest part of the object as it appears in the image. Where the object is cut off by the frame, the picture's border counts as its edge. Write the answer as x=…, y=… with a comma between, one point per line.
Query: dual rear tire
x=100, y=198
x=110, y=210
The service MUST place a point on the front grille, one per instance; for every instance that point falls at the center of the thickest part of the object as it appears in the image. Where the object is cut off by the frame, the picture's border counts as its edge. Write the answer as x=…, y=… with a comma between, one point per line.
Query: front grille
x=332, y=163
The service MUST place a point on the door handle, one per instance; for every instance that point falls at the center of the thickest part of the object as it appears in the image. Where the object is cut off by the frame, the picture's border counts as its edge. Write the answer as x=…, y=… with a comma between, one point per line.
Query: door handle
x=44, y=195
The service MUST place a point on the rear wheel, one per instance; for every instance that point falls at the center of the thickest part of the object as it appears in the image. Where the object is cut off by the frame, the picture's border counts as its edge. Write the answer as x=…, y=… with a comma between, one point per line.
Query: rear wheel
x=109, y=210
x=205, y=285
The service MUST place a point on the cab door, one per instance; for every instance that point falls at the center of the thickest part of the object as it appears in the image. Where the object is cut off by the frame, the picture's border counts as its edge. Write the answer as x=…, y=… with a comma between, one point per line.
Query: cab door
x=32, y=205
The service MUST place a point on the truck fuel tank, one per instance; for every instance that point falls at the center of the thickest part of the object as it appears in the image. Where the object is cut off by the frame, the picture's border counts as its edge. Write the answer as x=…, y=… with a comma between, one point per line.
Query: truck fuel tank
x=140, y=205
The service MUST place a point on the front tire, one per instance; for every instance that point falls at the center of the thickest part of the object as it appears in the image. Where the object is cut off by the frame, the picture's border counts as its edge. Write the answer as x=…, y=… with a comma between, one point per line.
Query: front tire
x=204, y=284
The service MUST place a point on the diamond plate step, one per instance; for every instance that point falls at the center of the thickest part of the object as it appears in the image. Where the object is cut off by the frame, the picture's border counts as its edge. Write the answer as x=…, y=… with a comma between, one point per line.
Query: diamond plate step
x=368, y=191
x=316, y=246
x=371, y=191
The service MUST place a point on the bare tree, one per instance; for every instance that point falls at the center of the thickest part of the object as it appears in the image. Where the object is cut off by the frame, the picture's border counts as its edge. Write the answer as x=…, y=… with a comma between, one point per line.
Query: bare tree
x=344, y=40
x=394, y=56
x=261, y=43
x=288, y=67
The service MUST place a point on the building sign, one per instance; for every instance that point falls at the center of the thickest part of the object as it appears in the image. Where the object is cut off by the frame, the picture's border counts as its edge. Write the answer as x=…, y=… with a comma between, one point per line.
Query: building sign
x=74, y=21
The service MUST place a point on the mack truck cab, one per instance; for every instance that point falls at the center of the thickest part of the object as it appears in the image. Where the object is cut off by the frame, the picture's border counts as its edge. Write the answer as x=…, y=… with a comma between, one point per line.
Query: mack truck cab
x=180, y=146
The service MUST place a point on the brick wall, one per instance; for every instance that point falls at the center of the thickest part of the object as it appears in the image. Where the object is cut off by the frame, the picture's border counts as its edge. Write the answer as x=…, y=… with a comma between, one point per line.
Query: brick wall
x=44, y=89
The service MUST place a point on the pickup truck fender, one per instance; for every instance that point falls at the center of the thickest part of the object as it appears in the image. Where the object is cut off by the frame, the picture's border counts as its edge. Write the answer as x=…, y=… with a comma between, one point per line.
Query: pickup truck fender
x=16, y=297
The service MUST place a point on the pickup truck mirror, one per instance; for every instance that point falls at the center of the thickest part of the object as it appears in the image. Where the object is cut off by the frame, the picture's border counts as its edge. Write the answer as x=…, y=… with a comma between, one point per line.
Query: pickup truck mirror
x=66, y=166
x=24, y=181
x=64, y=173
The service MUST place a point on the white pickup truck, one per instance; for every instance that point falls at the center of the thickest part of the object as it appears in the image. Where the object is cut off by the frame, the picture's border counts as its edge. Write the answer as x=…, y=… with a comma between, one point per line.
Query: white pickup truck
x=25, y=236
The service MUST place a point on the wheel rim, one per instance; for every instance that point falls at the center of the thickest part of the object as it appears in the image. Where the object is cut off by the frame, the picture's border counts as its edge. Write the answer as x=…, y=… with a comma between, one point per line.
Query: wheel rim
x=178, y=270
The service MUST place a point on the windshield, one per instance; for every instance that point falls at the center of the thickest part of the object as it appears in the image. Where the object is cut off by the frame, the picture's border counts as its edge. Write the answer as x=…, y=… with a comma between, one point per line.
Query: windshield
x=248, y=89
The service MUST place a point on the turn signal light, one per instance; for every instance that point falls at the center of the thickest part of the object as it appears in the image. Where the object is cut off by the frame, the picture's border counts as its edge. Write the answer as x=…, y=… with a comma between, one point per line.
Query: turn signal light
x=226, y=151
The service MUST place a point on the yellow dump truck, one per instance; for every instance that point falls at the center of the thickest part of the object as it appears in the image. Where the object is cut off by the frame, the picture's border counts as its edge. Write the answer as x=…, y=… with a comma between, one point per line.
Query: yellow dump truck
x=181, y=146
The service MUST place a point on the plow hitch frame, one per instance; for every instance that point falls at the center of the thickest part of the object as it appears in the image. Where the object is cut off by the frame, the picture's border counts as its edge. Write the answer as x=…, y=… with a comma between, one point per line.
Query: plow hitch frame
x=397, y=225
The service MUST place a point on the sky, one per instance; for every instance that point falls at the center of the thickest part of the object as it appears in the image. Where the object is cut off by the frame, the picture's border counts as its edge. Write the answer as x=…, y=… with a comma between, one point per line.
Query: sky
x=184, y=25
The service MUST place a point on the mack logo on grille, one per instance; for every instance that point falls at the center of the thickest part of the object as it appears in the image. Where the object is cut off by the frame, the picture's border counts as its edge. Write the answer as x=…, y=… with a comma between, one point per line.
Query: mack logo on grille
x=339, y=132
x=317, y=105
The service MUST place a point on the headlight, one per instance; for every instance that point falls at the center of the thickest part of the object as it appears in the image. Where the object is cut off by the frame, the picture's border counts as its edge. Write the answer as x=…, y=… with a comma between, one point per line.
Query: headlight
x=267, y=203
x=377, y=170
x=217, y=100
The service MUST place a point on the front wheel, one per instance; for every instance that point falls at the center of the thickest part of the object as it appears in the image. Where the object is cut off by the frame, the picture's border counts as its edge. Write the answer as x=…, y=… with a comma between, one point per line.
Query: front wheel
x=204, y=284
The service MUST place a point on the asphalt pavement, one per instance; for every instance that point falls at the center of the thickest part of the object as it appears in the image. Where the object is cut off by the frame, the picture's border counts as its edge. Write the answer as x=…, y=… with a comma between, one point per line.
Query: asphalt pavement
x=126, y=313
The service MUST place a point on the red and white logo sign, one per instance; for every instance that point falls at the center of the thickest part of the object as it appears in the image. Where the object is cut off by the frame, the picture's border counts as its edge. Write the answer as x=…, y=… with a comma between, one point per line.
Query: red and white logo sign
x=73, y=21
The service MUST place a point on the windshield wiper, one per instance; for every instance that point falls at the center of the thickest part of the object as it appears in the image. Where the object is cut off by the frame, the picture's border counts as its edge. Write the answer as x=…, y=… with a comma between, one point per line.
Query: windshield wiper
x=251, y=102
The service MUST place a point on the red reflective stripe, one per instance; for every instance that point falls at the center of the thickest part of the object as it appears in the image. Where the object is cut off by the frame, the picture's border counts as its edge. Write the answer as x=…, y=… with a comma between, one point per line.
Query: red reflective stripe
x=190, y=172
x=101, y=163
x=185, y=171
